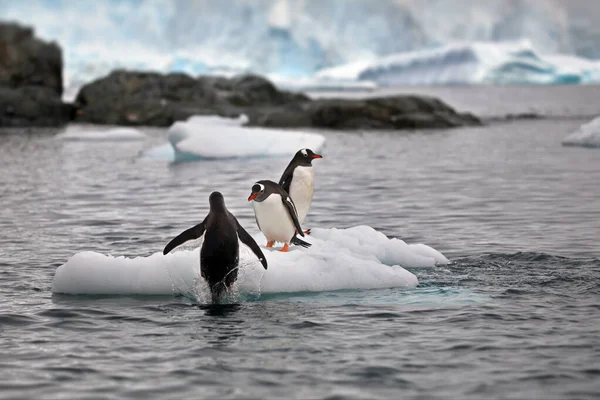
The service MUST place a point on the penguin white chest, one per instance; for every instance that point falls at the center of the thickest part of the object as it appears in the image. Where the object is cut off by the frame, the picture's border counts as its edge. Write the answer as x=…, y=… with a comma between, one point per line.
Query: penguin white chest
x=274, y=219
x=302, y=189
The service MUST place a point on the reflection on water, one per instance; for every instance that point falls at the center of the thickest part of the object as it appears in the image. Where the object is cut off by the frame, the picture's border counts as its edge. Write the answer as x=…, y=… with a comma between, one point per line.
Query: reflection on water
x=219, y=310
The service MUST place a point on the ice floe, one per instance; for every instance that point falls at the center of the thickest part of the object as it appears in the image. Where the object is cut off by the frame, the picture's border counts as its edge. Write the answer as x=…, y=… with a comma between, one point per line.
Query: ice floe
x=91, y=133
x=353, y=258
x=212, y=137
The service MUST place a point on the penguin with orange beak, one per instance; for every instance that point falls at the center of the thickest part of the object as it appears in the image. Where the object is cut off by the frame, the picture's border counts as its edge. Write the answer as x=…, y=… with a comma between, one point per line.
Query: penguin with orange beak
x=298, y=180
x=276, y=214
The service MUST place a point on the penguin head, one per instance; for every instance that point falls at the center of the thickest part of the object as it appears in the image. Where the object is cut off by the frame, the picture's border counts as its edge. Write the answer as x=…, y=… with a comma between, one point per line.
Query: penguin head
x=305, y=156
x=258, y=192
x=216, y=200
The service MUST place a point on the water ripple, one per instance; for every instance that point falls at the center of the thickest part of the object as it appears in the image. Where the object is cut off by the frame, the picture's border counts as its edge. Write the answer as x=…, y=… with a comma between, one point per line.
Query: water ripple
x=515, y=315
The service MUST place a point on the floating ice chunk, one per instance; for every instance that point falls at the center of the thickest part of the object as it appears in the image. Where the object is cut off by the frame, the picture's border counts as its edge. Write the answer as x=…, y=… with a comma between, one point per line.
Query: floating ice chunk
x=588, y=135
x=214, y=137
x=354, y=258
x=83, y=133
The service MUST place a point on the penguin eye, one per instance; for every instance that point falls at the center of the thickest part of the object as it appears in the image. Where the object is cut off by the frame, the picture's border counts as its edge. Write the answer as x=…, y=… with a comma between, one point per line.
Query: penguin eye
x=304, y=152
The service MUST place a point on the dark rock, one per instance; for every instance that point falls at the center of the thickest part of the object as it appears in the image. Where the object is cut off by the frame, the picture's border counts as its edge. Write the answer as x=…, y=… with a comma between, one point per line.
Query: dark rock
x=32, y=106
x=397, y=112
x=30, y=79
x=138, y=98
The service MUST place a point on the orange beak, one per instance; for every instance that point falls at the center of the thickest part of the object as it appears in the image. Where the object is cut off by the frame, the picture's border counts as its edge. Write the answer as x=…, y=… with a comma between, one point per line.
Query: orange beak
x=252, y=196
x=317, y=156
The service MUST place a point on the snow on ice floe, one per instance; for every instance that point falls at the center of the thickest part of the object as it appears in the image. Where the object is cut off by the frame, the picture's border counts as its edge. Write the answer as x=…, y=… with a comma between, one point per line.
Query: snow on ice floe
x=212, y=137
x=86, y=133
x=354, y=258
x=588, y=135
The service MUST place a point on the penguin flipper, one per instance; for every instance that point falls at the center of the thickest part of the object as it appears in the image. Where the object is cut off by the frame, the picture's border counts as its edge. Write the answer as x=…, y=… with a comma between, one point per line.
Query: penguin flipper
x=189, y=234
x=291, y=207
x=250, y=242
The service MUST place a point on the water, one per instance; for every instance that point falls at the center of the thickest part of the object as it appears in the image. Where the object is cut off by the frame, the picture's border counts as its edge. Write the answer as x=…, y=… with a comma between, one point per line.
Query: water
x=515, y=316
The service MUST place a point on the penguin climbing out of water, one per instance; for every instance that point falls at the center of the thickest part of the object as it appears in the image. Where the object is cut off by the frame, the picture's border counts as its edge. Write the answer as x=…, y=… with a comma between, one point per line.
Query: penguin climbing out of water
x=219, y=255
x=298, y=180
x=276, y=214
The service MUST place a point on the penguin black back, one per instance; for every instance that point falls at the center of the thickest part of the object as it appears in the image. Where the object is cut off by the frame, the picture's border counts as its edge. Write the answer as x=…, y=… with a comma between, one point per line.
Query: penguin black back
x=302, y=158
x=219, y=255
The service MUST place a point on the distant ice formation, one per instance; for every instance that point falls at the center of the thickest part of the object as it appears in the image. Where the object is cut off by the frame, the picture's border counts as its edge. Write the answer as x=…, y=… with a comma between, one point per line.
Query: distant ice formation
x=213, y=137
x=588, y=135
x=469, y=63
x=86, y=133
x=354, y=258
x=296, y=39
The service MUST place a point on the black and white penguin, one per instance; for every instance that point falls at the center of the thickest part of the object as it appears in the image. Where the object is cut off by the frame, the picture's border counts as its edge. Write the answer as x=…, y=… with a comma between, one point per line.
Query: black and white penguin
x=276, y=214
x=219, y=255
x=298, y=180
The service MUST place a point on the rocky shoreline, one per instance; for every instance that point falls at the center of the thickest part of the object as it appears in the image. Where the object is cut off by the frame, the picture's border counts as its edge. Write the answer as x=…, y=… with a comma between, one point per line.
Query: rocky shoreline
x=31, y=90
x=30, y=80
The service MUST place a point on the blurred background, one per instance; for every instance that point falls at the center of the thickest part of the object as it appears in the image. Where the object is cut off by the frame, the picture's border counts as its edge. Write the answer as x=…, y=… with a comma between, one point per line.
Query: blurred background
x=319, y=43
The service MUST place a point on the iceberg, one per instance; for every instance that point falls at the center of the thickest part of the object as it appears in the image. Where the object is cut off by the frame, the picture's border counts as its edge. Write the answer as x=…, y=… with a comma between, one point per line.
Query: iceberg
x=469, y=63
x=353, y=258
x=588, y=135
x=84, y=133
x=294, y=39
x=212, y=137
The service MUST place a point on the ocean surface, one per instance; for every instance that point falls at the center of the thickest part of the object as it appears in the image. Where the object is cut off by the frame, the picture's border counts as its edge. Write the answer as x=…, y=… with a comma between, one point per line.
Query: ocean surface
x=516, y=315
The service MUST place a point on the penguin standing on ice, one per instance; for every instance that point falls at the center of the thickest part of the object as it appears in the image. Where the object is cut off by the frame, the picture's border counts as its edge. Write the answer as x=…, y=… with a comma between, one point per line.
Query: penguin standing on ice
x=219, y=255
x=298, y=180
x=276, y=214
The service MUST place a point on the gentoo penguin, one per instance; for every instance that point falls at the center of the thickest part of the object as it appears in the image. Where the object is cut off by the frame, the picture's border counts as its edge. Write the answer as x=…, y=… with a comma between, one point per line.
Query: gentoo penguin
x=298, y=180
x=275, y=213
x=219, y=254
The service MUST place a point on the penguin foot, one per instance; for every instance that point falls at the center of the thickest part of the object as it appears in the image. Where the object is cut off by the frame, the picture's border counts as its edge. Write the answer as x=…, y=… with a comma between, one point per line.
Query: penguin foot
x=285, y=248
x=270, y=244
x=307, y=232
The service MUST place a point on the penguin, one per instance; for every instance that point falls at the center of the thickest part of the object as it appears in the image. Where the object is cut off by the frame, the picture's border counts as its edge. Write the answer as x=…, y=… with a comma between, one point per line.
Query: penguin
x=276, y=214
x=298, y=180
x=219, y=255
